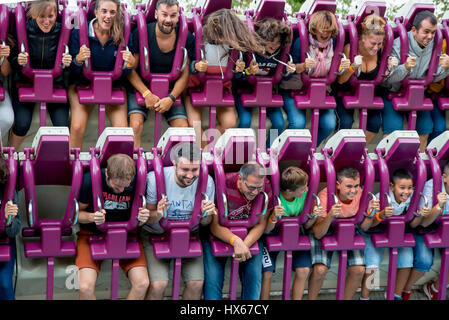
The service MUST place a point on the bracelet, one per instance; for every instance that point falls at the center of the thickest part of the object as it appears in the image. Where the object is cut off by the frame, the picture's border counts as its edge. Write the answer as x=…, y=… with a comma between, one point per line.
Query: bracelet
x=351, y=69
x=231, y=241
x=378, y=217
x=130, y=65
x=147, y=92
x=270, y=220
x=247, y=72
x=172, y=97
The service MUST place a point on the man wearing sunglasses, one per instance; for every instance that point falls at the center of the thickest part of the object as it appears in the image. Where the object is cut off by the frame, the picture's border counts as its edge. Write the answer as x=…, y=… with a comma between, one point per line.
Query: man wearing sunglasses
x=242, y=188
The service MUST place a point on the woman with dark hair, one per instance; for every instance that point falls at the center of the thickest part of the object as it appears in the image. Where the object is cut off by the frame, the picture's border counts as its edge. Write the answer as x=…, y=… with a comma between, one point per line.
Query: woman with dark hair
x=273, y=36
x=43, y=33
x=11, y=209
x=105, y=36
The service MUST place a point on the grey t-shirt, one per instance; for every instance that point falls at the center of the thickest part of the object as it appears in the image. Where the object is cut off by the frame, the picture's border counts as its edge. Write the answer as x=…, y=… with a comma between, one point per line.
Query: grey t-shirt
x=182, y=199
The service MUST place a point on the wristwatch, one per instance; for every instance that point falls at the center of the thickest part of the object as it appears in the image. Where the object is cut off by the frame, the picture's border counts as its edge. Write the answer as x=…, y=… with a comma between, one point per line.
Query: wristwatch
x=172, y=97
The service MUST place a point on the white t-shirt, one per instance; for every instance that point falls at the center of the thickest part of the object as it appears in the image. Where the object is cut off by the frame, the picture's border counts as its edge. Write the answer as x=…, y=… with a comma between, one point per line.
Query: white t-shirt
x=398, y=208
x=428, y=192
x=182, y=199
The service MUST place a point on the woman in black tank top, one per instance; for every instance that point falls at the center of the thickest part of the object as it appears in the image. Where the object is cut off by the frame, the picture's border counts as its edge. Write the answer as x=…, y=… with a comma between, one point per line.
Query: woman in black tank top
x=371, y=40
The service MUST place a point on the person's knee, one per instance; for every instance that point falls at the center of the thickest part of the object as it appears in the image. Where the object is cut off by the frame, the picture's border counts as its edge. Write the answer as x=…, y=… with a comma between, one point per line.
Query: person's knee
x=136, y=123
x=179, y=123
x=320, y=270
x=302, y=273
x=77, y=128
x=228, y=122
x=158, y=287
x=87, y=287
x=327, y=122
x=195, y=286
x=356, y=272
x=141, y=284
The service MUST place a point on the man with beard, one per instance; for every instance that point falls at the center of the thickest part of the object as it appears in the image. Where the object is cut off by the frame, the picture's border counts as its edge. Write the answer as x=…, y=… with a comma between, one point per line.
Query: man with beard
x=242, y=188
x=348, y=194
x=420, y=42
x=181, y=186
x=162, y=44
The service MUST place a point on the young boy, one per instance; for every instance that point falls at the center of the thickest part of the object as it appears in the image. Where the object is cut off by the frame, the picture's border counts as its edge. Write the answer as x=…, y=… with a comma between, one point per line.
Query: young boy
x=348, y=192
x=293, y=196
x=401, y=190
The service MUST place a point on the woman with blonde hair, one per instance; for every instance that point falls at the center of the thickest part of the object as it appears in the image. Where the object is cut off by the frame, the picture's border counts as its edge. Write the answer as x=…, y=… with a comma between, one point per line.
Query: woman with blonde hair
x=105, y=36
x=43, y=33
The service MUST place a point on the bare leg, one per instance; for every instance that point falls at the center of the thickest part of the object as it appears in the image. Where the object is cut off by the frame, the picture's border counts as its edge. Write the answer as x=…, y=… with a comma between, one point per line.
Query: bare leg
x=156, y=290
x=87, y=280
x=266, y=285
x=138, y=276
x=423, y=142
x=136, y=121
x=414, y=276
x=299, y=283
x=401, y=279
x=353, y=280
x=193, y=290
x=80, y=114
x=15, y=141
x=370, y=136
x=316, y=280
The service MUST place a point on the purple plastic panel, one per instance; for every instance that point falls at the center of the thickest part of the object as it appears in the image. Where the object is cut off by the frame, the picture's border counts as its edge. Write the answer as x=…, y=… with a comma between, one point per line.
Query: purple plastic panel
x=10, y=186
x=214, y=5
x=443, y=102
x=270, y=9
x=4, y=22
x=176, y=243
x=343, y=237
x=114, y=244
x=222, y=249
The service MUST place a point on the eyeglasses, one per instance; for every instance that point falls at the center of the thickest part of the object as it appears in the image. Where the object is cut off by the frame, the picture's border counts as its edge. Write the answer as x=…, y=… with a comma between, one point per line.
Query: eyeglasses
x=251, y=188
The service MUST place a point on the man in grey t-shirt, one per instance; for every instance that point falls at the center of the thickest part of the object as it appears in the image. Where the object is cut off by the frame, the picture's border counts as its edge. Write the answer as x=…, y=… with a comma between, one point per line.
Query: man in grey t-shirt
x=181, y=186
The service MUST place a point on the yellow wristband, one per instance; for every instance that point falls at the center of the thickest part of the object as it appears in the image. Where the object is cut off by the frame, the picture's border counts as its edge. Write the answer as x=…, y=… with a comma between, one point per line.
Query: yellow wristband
x=147, y=92
x=351, y=69
x=231, y=241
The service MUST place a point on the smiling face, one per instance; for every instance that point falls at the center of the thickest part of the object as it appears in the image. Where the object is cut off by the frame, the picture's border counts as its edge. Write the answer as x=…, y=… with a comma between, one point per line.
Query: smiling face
x=167, y=17
x=106, y=13
x=425, y=34
x=402, y=189
x=46, y=19
x=186, y=172
x=250, y=187
x=348, y=188
x=372, y=43
x=323, y=35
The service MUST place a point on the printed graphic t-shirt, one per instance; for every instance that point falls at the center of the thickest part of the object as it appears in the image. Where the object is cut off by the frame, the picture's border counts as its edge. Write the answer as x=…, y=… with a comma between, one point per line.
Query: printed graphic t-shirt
x=117, y=205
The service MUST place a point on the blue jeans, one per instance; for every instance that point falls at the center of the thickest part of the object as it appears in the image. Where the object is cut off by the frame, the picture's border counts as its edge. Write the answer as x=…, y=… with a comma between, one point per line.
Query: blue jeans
x=345, y=117
x=373, y=255
x=439, y=121
x=6, y=274
x=393, y=120
x=250, y=273
x=275, y=115
x=297, y=118
x=422, y=256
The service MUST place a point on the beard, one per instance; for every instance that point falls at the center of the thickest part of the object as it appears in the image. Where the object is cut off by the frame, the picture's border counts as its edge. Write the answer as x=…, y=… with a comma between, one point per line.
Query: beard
x=182, y=180
x=162, y=28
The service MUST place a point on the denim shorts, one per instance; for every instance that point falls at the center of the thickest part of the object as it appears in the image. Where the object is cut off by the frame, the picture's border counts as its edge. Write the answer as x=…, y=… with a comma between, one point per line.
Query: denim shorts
x=301, y=259
x=175, y=112
x=373, y=255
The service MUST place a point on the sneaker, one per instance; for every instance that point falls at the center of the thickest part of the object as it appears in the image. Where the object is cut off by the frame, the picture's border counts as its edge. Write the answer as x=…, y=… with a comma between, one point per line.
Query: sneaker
x=396, y=297
x=430, y=291
x=406, y=295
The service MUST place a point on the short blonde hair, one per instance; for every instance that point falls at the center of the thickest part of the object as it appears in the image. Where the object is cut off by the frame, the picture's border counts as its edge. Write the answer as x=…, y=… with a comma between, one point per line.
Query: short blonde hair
x=323, y=21
x=39, y=7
